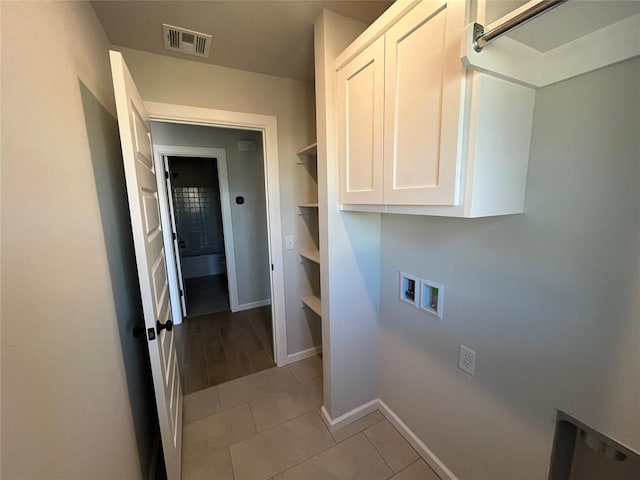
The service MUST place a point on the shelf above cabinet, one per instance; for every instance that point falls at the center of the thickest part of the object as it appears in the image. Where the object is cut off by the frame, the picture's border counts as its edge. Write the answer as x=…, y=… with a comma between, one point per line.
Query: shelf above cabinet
x=308, y=205
x=308, y=151
x=312, y=255
x=314, y=303
x=573, y=39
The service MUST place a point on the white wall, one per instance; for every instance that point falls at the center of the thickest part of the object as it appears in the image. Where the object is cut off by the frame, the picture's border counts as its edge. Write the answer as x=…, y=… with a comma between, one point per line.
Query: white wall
x=69, y=293
x=548, y=299
x=172, y=80
x=349, y=244
x=245, y=172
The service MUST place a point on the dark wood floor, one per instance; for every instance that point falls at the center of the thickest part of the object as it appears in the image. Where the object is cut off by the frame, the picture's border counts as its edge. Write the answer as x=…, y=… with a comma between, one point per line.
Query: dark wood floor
x=206, y=295
x=219, y=347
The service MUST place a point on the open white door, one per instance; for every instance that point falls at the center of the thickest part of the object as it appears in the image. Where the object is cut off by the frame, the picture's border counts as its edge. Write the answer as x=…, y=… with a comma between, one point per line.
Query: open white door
x=174, y=233
x=142, y=191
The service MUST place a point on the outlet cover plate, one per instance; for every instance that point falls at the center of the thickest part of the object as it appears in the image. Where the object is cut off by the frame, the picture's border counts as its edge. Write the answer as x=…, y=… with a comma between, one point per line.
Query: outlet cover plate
x=467, y=360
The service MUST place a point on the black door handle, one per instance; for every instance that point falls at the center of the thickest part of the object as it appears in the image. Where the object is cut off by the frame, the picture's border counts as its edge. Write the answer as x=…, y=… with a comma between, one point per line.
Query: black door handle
x=138, y=331
x=168, y=326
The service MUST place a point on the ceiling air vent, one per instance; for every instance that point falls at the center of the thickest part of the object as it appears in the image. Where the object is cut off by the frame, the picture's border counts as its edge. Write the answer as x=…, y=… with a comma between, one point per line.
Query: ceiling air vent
x=186, y=41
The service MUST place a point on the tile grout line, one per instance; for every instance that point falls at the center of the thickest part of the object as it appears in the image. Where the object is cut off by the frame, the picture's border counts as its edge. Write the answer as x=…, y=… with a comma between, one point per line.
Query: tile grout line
x=364, y=432
x=204, y=353
x=335, y=444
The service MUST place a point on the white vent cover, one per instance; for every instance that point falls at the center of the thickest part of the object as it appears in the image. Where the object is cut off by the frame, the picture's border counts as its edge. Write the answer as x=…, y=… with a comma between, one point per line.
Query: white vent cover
x=186, y=41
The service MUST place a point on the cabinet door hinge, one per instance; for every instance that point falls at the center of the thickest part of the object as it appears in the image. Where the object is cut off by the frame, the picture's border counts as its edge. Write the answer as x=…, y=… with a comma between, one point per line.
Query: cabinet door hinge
x=181, y=293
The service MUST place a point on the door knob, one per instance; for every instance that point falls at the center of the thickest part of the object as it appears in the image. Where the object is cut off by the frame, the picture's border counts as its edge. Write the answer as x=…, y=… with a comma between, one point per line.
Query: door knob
x=138, y=331
x=168, y=326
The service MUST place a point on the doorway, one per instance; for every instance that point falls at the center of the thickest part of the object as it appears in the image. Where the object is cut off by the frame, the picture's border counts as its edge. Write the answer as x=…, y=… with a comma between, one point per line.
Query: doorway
x=195, y=204
x=216, y=201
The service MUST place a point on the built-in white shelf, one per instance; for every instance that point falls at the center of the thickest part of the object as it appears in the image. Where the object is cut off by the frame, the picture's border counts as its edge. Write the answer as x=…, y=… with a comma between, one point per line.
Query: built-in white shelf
x=313, y=255
x=309, y=151
x=313, y=303
x=308, y=157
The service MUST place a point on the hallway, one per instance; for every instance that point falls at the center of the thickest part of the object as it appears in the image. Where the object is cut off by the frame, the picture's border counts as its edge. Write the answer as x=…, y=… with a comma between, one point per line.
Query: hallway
x=206, y=295
x=223, y=346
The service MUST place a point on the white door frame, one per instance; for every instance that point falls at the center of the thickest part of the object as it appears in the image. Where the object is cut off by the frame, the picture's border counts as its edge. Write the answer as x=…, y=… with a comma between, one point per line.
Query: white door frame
x=268, y=125
x=219, y=154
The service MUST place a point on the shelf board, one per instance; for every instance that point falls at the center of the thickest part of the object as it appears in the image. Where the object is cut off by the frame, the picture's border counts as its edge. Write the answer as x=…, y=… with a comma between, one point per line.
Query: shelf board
x=313, y=303
x=313, y=255
x=308, y=205
x=309, y=151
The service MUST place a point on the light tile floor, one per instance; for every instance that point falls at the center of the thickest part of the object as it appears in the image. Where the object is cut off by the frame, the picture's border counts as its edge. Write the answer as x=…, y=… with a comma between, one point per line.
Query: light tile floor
x=267, y=426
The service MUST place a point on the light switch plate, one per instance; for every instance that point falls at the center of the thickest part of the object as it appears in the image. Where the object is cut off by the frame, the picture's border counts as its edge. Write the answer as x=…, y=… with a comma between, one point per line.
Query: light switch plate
x=288, y=242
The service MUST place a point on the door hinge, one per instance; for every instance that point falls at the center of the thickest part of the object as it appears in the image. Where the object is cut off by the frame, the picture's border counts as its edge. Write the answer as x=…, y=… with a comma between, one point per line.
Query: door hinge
x=181, y=293
x=166, y=175
x=151, y=333
x=272, y=268
x=174, y=236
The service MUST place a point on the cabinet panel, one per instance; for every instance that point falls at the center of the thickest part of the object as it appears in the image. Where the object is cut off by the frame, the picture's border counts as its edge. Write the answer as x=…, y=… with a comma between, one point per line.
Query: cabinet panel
x=423, y=94
x=361, y=117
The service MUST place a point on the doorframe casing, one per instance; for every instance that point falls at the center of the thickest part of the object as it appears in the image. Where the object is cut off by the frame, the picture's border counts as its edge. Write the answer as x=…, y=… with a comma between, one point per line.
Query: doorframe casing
x=219, y=155
x=268, y=126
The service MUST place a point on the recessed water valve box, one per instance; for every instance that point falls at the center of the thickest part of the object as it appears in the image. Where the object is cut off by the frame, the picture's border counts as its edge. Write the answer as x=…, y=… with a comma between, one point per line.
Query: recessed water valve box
x=409, y=288
x=431, y=297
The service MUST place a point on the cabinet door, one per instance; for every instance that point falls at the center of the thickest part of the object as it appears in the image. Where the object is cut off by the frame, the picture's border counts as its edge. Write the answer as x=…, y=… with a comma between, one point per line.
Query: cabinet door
x=424, y=81
x=360, y=126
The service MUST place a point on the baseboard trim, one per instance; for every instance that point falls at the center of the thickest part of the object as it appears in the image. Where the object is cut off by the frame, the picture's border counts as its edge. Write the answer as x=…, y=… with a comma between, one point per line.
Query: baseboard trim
x=250, y=305
x=351, y=416
x=308, y=353
x=425, y=452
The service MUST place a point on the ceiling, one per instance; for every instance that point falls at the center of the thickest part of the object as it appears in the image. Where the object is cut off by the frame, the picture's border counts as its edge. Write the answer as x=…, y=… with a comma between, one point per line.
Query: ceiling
x=271, y=37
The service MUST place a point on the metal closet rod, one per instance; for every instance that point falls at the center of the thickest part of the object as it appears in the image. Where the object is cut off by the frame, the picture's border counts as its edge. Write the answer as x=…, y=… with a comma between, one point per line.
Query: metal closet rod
x=480, y=39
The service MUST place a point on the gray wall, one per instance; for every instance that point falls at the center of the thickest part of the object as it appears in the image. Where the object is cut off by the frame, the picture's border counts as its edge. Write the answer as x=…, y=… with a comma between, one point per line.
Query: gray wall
x=548, y=299
x=245, y=171
x=74, y=383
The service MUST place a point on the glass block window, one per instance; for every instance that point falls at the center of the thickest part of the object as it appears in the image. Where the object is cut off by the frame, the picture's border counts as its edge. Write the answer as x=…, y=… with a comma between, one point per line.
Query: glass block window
x=198, y=220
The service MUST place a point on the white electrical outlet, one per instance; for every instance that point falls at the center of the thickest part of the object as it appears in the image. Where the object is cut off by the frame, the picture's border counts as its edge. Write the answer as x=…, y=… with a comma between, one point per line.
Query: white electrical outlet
x=467, y=360
x=288, y=242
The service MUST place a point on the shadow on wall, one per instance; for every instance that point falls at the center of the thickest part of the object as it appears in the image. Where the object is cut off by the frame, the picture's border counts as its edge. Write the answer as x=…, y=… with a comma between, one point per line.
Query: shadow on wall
x=108, y=171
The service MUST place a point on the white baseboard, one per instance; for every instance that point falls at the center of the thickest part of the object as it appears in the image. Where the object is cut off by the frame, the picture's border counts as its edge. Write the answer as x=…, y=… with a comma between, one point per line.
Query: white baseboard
x=296, y=357
x=351, y=416
x=425, y=452
x=250, y=305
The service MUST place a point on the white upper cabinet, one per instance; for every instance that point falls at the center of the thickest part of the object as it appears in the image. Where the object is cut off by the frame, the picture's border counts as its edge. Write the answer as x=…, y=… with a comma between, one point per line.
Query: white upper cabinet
x=446, y=141
x=423, y=93
x=430, y=125
x=361, y=100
